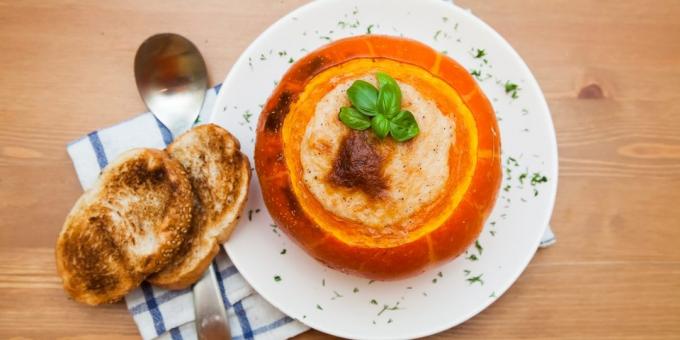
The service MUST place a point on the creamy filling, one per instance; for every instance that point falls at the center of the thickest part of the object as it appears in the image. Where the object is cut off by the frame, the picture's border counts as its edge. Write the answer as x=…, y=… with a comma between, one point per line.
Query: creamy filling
x=410, y=174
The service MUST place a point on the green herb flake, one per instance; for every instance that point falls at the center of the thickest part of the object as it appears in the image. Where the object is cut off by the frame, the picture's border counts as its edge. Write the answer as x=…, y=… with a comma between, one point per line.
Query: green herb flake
x=318, y=307
x=506, y=188
x=409, y=287
x=522, y=177
x=389, y=321
x=492, y=232
x=283, y=251
x=472, y=257
x=325, y=37
x=388, y=308
x=247, y=115
x=493, y=295
x=323, y=282
x=371, y=281
x=434, y=280
x=476, y=279
x=478, y=246
x=291, y=60
x=337, y=295
x=512, y=89
x=282, y=53
x=374, y=302
x=466, y=272
x=437, y=34
x=277, y=278
x=512, y=161
x=440, y=274
x=250, y=214
x=445, y=19
x=480, y=53
x=537, y=178
x=369, y=29
x=262, y=57
x=355, y=290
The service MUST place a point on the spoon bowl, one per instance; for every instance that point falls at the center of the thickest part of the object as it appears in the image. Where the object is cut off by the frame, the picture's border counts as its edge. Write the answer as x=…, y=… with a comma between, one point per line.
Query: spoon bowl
x=172, y=79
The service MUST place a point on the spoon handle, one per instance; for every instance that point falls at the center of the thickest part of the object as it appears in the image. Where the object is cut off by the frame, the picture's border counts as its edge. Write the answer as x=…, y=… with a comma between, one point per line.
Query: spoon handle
x=211, y=317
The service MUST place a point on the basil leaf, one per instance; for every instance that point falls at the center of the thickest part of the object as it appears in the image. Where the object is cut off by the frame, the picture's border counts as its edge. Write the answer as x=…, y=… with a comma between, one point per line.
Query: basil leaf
x=363, y=96
x=380, y=125
x=389, y=99
x=403, y=126
x=354, y=119
x=384, y=78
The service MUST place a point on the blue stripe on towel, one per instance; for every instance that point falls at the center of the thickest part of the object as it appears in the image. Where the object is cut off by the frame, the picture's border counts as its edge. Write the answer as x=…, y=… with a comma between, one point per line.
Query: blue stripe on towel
x=229, y=271
x=243, y=320
x=276, y=324
x=220, y=283
x=98, y=149
x=153, y=308
x=165, y=132
x=175, y=334
x=160, y=299
x=238, y=307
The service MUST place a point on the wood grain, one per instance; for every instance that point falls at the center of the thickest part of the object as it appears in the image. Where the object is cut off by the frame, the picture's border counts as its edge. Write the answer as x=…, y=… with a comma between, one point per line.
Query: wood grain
x=611, y=74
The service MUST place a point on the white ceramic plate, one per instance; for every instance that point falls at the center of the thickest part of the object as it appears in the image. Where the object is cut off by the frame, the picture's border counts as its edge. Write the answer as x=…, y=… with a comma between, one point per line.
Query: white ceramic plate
x=440, y=298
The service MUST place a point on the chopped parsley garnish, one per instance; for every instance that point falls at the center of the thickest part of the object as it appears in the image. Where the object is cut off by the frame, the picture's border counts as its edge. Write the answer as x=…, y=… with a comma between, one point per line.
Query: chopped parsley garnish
x=477, y=74
x=522, y=177
x=263, y=57
x=355, y=290
x=282, y=53
x=472, y=257
x=247, y=115
x=506, y=188
x=291, y=60
x=323, y=282
x=283, y=251
x=318, y=307
x=388, y=308
x=325, y=37
x=369, y=282
x=369, y=29
x=476, y=279
x=480, y=53
x=493, y=295
x=437, y=34
x=538, y=178
x=434, y=280
x=373, y=302
x=277, y=278
x=492, y=232
x=389, y=321
x=337, y=295
x=512, y=89
x=440, y=274
x=479, y=247
x=466, y=272
x=250, y=214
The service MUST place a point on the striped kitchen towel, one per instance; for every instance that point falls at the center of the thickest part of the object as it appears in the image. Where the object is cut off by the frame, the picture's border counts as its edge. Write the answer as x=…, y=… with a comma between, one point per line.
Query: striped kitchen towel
x=170, y=314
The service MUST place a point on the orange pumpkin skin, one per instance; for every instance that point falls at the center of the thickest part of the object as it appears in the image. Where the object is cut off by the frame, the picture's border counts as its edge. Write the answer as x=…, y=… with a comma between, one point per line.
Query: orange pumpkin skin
x=442, y=242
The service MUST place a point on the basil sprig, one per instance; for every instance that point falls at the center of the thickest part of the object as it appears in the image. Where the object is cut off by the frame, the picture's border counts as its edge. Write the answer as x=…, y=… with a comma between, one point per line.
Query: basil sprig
x=379, y=109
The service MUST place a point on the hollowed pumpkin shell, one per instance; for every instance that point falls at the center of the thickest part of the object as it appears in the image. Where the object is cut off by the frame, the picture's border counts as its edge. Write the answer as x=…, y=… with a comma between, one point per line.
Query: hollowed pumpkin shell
x=372, y=207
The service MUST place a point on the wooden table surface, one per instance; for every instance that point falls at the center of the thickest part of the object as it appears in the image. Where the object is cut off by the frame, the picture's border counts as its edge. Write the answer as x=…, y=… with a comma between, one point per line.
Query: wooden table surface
x=611, y=74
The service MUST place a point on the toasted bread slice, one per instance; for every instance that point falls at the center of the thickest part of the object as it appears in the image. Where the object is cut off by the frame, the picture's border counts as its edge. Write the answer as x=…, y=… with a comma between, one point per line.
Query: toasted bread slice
x=220, y=176
x=129, y=225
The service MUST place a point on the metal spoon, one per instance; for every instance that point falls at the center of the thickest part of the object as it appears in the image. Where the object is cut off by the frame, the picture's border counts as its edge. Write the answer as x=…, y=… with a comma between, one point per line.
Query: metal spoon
x=172, y=79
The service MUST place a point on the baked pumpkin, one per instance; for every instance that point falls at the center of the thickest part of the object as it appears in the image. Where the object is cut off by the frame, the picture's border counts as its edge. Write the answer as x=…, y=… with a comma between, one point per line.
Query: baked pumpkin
x=373, y=206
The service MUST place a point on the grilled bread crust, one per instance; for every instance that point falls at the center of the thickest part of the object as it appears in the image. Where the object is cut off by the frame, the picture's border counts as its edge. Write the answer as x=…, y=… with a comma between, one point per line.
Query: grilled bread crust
x=220, y=177
x=130, y=224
